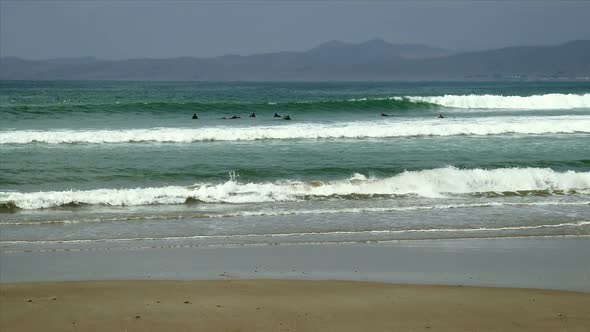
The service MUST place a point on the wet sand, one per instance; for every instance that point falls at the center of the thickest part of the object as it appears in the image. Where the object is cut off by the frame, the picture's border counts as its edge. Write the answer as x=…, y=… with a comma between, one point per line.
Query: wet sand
x=545, y=263
x=275, y=305
x=292, y=287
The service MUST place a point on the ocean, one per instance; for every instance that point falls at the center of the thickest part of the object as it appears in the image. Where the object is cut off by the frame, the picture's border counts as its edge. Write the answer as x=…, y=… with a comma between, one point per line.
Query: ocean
x=102, y=165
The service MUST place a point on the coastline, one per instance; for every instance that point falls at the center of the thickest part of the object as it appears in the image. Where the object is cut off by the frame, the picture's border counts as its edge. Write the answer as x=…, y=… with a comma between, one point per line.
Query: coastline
x=382, y=206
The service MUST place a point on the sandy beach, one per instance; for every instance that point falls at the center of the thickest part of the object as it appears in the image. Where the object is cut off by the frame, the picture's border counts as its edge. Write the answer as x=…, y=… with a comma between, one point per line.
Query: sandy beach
x=491, y=285
x=272, y=305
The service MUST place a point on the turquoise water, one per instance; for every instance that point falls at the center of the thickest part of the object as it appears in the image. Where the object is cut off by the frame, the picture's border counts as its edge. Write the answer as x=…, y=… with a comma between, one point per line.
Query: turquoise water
x=115, y=163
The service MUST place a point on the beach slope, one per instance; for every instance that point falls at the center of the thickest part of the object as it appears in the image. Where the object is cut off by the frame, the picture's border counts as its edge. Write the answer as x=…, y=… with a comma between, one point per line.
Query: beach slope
x=275, y=305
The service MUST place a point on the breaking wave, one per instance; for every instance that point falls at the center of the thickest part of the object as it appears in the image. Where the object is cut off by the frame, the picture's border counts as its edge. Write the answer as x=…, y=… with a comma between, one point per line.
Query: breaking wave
x=552, y=101
x=433, y=183
x=366, y=129
x=541, y=102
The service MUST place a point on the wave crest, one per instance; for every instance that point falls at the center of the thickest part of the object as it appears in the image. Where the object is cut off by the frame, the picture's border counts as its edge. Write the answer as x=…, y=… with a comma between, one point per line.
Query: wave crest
x=426, y=183
x=366, y=129
x=552, y=101
x=360, y=104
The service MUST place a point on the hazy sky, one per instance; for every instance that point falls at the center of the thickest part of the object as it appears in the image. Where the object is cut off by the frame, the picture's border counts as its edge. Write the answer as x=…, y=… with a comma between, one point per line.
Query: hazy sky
x=131, y=29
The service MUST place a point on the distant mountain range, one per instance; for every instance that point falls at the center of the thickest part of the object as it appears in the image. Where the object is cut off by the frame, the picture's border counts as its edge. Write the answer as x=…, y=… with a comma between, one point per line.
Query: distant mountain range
x=332, y=61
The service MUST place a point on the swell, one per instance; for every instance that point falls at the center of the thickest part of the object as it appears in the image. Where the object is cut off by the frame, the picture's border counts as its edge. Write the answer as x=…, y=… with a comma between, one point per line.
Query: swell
x=552, y=101
x=375, y=104
x=113, y=174
x=534, y=125
x=432, y=183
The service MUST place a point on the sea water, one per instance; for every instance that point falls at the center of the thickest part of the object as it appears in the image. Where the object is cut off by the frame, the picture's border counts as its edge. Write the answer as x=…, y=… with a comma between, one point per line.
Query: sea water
x=89, y=165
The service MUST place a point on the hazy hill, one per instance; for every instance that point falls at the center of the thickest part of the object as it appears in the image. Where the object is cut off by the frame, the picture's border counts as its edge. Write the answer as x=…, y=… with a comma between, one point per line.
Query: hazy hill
x=371, y=60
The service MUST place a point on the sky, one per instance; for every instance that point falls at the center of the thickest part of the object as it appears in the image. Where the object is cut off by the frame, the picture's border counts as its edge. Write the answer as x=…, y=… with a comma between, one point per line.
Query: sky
x=162, y=29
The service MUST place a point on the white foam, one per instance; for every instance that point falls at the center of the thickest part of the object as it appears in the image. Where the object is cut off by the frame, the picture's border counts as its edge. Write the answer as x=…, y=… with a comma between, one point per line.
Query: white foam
x=391, y=209
x=552, y=101
x=394, y=127
x=286, y=212
x=307, y=234
x=426, y=183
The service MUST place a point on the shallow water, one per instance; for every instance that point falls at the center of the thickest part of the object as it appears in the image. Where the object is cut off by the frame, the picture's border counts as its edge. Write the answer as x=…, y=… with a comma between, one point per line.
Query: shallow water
x=107, y=163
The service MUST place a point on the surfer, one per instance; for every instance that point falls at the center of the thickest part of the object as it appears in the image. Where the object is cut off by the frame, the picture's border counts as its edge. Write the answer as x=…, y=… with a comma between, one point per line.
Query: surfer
x=195, y=116
x=440, y=116
x=232, y=118
x=277, y=116
x=383, y=114
x=287, y=117
x=253, y=115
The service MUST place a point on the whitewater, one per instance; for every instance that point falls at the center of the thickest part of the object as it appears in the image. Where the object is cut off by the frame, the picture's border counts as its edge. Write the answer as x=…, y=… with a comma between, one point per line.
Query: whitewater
x=403, y=127
x=435, y=183
x=551, y=101
x=104, y=164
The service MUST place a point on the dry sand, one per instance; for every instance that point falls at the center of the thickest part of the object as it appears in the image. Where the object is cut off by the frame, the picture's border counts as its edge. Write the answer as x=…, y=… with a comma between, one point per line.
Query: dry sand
x=273, y=305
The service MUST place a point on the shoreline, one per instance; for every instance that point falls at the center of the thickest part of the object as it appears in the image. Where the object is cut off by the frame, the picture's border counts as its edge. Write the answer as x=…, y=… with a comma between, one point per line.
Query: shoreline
x=282, y=305
x=558, y=263
x=494, y=284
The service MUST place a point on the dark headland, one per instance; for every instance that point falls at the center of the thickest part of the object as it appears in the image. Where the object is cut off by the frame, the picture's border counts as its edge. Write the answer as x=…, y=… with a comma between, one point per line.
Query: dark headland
x=373, y=60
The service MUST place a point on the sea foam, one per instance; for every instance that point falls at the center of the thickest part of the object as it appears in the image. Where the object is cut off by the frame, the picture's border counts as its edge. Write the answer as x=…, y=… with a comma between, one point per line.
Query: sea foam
x=541, y=102
x=433, y=183
x=386, y=128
